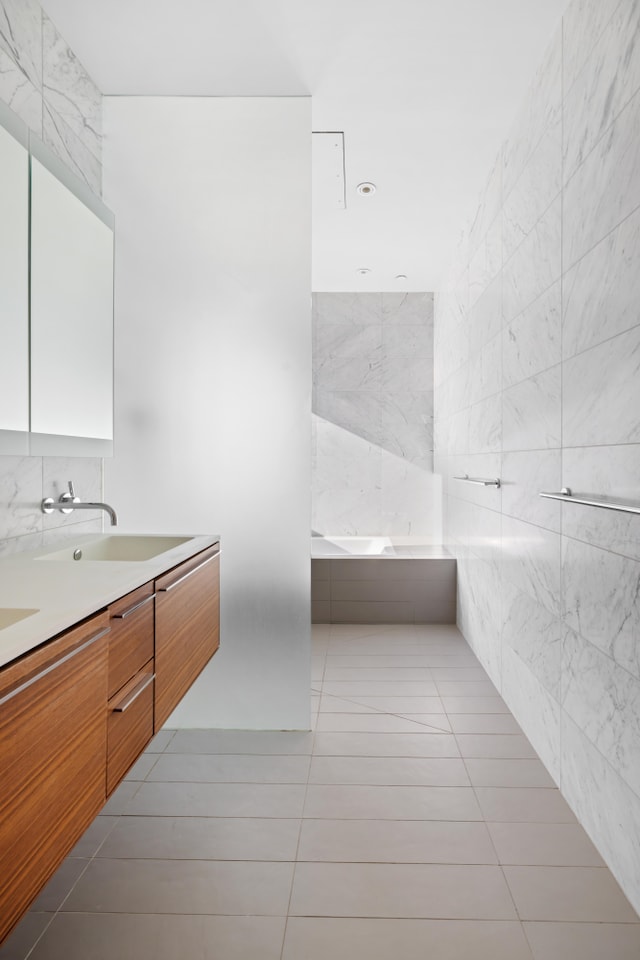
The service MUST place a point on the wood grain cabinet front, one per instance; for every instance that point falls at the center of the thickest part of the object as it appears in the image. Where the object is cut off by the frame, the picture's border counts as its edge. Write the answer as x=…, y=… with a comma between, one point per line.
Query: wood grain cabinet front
x=53, y=733
x=187, y=627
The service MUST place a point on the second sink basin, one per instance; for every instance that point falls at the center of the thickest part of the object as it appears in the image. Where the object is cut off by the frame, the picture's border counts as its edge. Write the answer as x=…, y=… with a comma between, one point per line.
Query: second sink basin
x=11, y=615
x=131, y=548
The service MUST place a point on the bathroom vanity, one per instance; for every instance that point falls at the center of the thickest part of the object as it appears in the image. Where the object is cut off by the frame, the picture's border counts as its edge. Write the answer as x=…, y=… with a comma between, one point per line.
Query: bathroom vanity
x=79, y=704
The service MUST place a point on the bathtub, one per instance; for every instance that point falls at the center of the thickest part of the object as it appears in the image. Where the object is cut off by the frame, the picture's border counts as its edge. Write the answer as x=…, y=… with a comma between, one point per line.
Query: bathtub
x=381, y=580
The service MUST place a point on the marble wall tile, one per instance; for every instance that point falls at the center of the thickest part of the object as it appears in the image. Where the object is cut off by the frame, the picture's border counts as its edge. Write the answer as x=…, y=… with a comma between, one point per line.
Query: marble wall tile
x=346, y=485
x=356, y=411
x=609, y=472
x=609, y=177
x=21, y=60
x=404, y=407
x=485, y=317
x=86, y=474
x=533, y=341
x=20, y=496
x=478, y=465
x=351, y=373
x=535, y=636
x=409, y=308
x=73, y=152
x=535, y=265
x=29, y=541
x=603, y=700
x=485, y=426
x=488, y=205
x=347, y=340
x=537, y=711
x=532, y=412
x=602, y=600
x=601, y=393
x=485, y=371
x=600, y=293
x=531, y=562
x=479, y=592
x=524, y=475
x=410, y=499
x=485, y=536
x=583, y=23
x=607, y=81
x=605, y=805
x=69, y=91
x=398, y=375
x=408, y=341
x=486, y=263
x=56, y=535
x=539, y=112
x=355, y=308
x=536, y=189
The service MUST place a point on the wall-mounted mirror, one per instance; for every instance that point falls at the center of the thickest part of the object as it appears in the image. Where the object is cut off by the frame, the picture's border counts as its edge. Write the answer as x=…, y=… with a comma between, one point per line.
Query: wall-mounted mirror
x=14, y=283
x=71, y=313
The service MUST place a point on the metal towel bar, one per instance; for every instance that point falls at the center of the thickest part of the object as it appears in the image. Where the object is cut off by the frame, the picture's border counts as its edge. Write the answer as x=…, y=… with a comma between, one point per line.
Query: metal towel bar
x=481, y=480
x=566, y=495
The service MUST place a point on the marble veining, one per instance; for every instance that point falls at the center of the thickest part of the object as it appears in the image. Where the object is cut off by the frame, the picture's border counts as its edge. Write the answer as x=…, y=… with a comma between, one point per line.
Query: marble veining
x=535, y=265
x=69, y=90
x=531, y=561
x=21, y=60
x=535, y=635
x=601, y=292
x=538, y=712
x=532, y=413
x=583, y=23
x=524, y=474
x=532, y=342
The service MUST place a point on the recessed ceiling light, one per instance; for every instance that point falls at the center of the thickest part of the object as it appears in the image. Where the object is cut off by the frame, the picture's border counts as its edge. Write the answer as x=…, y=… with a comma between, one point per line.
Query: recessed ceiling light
x=366, y=189
x=401, y=276
x=363, y=271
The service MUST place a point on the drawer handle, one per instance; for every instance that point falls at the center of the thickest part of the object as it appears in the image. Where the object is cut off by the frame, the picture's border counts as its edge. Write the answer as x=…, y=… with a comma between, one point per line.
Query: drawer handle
x=135, y=693
x=187, y=575
x=136, y=606
x=54, y=665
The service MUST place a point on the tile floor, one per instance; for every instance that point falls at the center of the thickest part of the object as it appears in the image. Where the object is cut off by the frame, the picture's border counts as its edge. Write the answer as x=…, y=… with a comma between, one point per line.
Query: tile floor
x=416, y=822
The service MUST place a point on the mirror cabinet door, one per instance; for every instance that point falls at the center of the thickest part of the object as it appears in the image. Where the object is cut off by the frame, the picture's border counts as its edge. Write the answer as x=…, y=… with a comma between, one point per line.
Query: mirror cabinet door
x=71, y=309
x=14, y=280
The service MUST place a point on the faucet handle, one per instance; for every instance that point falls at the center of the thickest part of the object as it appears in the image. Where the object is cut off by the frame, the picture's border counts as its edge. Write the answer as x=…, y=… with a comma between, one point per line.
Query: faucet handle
x=72, y=492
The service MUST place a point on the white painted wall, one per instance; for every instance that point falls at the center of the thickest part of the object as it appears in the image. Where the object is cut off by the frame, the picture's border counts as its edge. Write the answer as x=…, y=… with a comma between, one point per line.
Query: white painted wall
x=213, y=372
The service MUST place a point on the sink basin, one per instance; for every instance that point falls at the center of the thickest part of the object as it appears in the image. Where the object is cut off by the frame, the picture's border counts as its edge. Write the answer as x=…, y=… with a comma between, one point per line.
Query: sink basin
x=127, y=548
x=11, y=615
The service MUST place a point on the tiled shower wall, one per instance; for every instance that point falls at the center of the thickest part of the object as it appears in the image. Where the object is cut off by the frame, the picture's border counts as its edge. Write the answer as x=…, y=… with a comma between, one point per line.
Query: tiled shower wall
x=373, y=415
x=537, y=369
x=46, y=86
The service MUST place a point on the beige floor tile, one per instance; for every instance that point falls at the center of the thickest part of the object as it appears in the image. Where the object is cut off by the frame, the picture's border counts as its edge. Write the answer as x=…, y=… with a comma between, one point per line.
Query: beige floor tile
x=380, y=688
x=161, y=741
x=400, y=890
x=217, y=800
x=241, y=741
x=407, y=661
x=315, y=938
x=230, y=768
x=407, y=771
x=398, y=648
x=524, y=805
x=60, y=885
x=459, y=674
x=584, y=941
x=142, y=766
x=400, y=705
x=21, y=940
x=389, y=674
x=202, y=838
x=568, y=893
x=92, y=839
x=121, y=797
x=483, y=704
x=182, y=886
x=395, y=841
x=140, y=937
x=483, y=723
x=368, y=723
x=470, y=689
x=508, y=773
x=495, y=745
x=329, y=704
x=337, y=802
x=544, y=844
x=386, y=745
x=437, y=722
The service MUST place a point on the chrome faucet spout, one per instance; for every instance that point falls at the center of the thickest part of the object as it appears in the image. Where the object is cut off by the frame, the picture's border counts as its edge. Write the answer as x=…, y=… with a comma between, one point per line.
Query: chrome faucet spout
x=68, y=502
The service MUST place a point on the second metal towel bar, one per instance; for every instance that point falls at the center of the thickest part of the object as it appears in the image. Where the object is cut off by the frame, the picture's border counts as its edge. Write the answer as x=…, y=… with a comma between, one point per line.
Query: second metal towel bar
x=480, y=480
x=565, y=494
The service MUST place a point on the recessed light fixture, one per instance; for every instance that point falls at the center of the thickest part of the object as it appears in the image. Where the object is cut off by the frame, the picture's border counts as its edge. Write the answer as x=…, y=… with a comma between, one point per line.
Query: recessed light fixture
x=363, y=271
x=401, y=276
x=366, y=189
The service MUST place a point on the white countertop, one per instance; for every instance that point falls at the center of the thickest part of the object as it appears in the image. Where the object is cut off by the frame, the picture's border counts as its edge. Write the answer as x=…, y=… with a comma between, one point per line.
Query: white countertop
x=65, y=591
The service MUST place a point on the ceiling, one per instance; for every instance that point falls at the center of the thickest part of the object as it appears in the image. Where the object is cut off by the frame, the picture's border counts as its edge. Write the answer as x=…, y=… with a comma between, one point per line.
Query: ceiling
x=424, y=91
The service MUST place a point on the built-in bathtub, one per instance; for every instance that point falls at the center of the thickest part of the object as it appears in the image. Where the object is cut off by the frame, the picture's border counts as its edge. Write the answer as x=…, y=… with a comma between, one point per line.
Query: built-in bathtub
x=381, y=580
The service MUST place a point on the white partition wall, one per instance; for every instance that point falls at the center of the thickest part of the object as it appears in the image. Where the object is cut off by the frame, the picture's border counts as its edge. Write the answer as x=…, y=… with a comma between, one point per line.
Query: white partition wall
x=212, y=386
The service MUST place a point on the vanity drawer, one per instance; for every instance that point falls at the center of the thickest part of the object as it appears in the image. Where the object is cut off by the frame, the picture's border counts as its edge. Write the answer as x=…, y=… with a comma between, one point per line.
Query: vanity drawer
x=129, y=724
x=132, y=636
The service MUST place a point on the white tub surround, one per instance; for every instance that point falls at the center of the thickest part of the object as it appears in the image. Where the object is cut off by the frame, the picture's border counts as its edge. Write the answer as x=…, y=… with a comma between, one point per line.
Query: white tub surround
x=537, y=381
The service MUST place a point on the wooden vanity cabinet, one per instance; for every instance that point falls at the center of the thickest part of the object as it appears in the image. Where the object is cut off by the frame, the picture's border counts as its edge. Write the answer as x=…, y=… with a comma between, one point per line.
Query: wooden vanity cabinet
x=131, y=676
x=53, y=737
x=187, y=627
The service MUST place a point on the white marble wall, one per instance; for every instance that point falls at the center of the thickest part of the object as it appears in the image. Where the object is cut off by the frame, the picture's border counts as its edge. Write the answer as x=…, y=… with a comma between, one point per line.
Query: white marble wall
x=47, y=87
x=537, y=380
x=373, y=415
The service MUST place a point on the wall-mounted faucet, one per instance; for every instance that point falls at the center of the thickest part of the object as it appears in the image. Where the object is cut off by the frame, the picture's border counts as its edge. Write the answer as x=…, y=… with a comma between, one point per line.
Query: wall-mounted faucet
x=68, y=502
